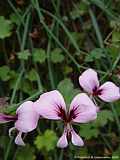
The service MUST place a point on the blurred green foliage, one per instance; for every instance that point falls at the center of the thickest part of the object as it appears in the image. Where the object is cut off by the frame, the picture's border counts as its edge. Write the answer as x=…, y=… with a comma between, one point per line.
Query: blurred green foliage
x=47, y=141
x=5, y=30
x=45, y=45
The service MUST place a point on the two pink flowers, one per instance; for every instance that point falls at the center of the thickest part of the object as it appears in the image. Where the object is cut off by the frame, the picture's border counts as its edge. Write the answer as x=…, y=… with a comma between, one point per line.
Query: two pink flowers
x=51, y=105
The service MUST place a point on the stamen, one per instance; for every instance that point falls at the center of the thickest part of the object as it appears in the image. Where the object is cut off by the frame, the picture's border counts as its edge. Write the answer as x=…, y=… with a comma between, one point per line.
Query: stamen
x=69, y=135
x=68, y=130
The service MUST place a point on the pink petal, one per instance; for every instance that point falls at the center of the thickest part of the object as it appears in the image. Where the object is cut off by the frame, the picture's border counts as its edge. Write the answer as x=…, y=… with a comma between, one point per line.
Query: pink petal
x=110, y=92
x=50, y=104
x=89, y=80
x=62, y=142
x=18, y=140
x=76, y=139
x=82, y=109
x=6, y=118
x=27, y=117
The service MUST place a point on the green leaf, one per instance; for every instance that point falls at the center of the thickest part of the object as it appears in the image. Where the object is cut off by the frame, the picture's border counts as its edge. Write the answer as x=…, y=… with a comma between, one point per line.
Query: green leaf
x=116, y=154
x=82, y=152
x=116, y=37
x=66, y=87
x=76, y=36
x=95, y=54
x=4, y=73
x=39, y=55
x=24, y=55
x=50, y=139
x=14, y=18
x=88, y=132
x=13, y=80
x=32, y=75
x=115, y=24
x=26, y=153
x=79, y=9
x=27, y=87
x=57, y=56
x=67, y=69
x=46, y=141
x=5, y=27
x=103, y=118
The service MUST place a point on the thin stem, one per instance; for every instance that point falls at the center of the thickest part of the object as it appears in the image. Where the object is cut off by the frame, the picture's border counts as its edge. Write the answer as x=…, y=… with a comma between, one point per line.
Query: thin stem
x=41, y=18
x=99, y=36
x=49, y=61
x=25, y=32
x=16, y=86
x=14, y=106
x=58, y=20
x=106, y=142
x=8, y=149
x=57, y=10
x=49, y=66
x=5, y=52
x=115, y=116
x=39, y=80
x=15, y=10
x=36, y=67
x=116, y=62
x=96, y=27
x=104, y=7
x=25, y=37
x=61, y=155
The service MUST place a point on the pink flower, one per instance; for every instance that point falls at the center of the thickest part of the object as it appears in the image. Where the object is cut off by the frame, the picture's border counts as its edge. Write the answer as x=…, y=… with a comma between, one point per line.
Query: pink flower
x=26, y=119
x=108, y=92
x=51, y=105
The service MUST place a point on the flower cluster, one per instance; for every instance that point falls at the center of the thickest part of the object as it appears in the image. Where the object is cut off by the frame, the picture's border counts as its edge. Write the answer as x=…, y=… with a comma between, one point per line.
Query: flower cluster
x=51, y=105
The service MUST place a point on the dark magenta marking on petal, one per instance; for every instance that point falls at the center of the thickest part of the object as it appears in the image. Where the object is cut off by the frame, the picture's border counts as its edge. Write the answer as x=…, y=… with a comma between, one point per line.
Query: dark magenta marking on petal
x=67, y=117
x=61, y=112
x=97, y=91
x=5, y=117
x=73, y=113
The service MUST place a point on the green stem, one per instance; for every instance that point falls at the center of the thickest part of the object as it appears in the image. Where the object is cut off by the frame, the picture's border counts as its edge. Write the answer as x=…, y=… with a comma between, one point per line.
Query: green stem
x=116, y=62
x=25, y=37
x=99, y=37
x=65, y=29
x=14, y=106
x=106, y=142
x=115, y=116
x=36, y=67
x=61, y=155
x=103, y=6
x=49, y=66
x=8, y=149
x=16, y=86
x=5, y=52
x=41, y=18
x=96, y=27
x=38, y=80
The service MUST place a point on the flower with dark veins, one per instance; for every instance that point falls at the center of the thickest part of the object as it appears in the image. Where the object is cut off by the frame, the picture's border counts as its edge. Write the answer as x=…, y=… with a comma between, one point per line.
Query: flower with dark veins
x=26, y=120
x=51, y=105
x=108, y=91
